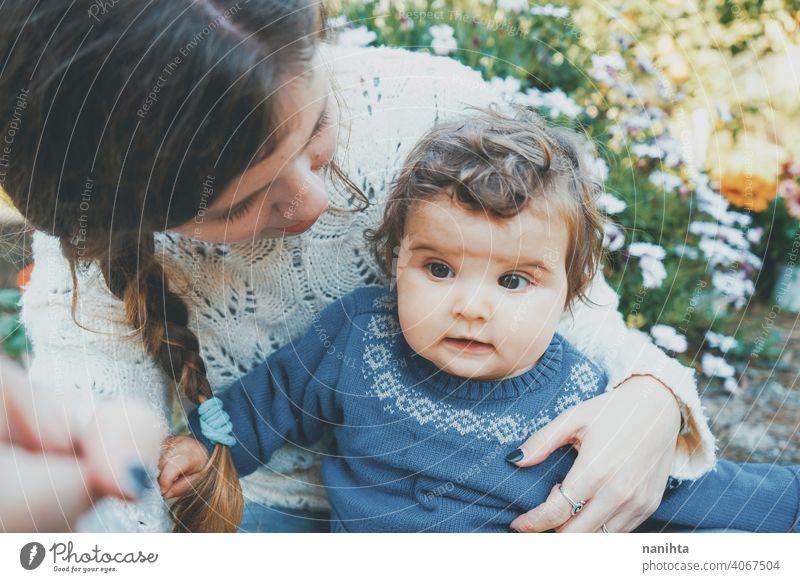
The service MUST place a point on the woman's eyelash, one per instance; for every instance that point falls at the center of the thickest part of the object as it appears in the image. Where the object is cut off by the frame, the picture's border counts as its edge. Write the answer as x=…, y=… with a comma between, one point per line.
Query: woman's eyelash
x=324, y=122
x=243, y=208
x=240, y=210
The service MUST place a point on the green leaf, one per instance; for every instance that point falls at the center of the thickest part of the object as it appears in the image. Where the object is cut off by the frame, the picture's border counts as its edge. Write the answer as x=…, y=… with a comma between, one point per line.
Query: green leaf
x=9, y=298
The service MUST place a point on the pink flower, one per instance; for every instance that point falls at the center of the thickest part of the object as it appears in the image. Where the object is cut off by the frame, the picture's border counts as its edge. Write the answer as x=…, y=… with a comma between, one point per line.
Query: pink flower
x=791, y=169
x=789, y=190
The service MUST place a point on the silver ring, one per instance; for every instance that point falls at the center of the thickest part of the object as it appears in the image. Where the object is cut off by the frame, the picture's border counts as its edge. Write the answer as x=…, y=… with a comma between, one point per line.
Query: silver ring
x=576, y=505
x=605, y=529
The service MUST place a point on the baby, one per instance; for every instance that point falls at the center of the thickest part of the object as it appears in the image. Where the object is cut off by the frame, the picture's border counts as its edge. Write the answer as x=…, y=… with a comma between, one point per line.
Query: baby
x=489, y=234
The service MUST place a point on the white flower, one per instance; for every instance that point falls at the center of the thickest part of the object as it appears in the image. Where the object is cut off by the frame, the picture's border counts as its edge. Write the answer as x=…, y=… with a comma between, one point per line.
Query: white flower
x=666, y=337
x=714, y=366
x=724, y=112
x=353, y=37
x=718, y=253
x=646, y=65
x=722, y=342
x=735, y=286
x=443, y=42
x=337, y=22
x=754, y=235
x=512, y=5
x=732, y=386
x=642, y=249
x=653, y=272
x=673, y=156
x=645, y=150
x=665, y=180
x=733, y=236
x=507, y=88
x=687, y=251
x=613, y=237
x=560, y=104
x=610, y=204
x=605, y=68
x=598, y=169
x=550, y=10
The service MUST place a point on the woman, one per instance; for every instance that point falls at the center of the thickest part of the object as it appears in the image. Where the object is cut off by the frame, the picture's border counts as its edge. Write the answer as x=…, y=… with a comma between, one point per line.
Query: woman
x=205, y=167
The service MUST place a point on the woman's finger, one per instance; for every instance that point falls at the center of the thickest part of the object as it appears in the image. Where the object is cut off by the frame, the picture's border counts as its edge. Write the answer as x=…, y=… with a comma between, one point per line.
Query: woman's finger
x=600, y=510
x=622, y=523
x=564, y=430
x=553, y=513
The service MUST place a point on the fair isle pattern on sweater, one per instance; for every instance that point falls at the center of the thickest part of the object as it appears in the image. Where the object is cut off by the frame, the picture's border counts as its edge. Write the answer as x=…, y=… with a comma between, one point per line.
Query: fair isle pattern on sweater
x=381, y=373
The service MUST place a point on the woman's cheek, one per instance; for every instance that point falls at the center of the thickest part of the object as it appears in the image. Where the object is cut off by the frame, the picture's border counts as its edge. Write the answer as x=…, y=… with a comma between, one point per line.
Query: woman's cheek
x=325, y=151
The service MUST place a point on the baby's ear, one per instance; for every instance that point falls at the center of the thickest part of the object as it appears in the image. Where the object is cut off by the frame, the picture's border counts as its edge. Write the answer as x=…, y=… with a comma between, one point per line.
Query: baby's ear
x=120, y=448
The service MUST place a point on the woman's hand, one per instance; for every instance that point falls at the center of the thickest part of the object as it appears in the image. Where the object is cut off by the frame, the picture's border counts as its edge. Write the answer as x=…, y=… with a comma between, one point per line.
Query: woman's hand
x=625, y=440
x=61, y=459
x=183, y=459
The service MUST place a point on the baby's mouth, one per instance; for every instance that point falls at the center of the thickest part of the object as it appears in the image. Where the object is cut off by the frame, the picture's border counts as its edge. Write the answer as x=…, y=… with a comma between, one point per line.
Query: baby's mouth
x=468, y=345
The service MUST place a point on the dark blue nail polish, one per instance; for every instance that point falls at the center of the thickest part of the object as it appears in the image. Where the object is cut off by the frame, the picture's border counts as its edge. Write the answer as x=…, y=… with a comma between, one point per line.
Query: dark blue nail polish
x=515, y=456
x=140, y=479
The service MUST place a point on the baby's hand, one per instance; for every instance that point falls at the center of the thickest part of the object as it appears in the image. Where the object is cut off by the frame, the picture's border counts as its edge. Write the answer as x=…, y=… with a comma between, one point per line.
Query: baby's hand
x=182, y=460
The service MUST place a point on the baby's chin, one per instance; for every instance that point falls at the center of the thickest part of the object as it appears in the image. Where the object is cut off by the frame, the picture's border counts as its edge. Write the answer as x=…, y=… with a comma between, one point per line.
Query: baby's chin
x=478, y=371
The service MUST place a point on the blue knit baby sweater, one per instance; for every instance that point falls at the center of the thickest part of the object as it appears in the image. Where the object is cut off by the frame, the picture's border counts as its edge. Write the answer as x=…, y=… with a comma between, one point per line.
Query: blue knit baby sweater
x=419, y=450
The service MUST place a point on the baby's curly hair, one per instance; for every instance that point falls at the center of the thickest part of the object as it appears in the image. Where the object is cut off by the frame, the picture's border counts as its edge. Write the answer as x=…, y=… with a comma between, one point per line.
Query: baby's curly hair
x=498, y=163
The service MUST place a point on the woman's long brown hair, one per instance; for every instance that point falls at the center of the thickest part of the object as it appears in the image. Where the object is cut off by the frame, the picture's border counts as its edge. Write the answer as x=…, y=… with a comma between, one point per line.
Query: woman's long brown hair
x=121, y=113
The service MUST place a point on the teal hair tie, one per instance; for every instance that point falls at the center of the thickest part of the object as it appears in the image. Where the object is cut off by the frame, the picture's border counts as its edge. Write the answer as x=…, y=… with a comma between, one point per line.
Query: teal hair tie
x=215, y=424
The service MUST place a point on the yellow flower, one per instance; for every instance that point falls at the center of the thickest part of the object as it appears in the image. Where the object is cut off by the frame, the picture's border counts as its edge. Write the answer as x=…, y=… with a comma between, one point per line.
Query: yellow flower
x=748, y=191
x=636, y=320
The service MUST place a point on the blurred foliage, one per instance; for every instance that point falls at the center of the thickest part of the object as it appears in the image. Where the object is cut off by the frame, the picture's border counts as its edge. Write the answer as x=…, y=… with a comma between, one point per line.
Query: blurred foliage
x=642, y=75
x=12, y=334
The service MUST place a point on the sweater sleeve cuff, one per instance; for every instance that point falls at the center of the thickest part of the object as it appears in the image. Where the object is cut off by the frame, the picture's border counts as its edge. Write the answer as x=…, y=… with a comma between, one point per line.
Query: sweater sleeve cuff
x=695, y=452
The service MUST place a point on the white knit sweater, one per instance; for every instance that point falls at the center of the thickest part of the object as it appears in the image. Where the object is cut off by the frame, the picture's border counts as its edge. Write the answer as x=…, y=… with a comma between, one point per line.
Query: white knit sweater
x=246, y=300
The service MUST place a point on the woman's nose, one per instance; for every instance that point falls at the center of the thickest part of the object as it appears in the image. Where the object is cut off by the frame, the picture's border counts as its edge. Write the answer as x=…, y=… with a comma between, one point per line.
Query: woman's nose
x=305, y=197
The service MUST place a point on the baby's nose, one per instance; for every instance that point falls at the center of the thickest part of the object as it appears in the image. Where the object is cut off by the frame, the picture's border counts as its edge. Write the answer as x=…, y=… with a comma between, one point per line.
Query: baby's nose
x=472, y=305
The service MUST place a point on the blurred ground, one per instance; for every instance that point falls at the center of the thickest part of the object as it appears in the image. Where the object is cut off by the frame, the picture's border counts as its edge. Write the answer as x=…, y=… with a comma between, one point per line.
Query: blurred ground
x=763, y=423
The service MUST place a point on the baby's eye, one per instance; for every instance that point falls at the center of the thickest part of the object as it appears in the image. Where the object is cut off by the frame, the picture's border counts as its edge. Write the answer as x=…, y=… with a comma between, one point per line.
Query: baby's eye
x=513, y=281
x=440, y=270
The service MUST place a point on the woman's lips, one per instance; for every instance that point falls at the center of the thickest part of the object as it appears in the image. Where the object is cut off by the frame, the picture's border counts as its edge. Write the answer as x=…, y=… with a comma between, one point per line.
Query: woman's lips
x=468, y=346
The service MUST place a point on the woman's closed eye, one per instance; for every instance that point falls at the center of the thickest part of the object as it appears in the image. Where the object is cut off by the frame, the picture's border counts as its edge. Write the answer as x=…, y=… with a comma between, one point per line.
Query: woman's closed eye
x=240, y=210
x=439, y=270
x=322, y=125
x=514, y=281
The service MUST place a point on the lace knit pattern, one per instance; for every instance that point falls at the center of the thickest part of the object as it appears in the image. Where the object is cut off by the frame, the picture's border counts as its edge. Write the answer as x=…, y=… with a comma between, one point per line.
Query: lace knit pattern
x=248, y=299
